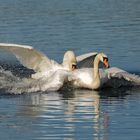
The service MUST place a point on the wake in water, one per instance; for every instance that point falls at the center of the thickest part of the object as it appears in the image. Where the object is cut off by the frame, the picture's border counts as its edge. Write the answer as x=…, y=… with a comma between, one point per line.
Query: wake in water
x=13, y=84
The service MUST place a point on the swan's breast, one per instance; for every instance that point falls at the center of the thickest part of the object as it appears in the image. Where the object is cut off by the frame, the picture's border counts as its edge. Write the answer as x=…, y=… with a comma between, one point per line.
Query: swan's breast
x=83, y=77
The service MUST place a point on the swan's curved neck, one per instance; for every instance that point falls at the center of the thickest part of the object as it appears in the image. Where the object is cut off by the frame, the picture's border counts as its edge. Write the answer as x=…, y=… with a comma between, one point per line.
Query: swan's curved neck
x=96, y=76
x=96, y=67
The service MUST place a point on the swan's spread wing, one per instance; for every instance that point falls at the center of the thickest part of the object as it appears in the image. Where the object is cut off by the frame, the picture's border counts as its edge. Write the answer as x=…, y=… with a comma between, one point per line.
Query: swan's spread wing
x=86, y=60
x=28, y=56
x=118, y=77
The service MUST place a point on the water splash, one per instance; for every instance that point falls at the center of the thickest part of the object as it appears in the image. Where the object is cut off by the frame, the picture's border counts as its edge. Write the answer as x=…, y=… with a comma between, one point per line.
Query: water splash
x=15, y=84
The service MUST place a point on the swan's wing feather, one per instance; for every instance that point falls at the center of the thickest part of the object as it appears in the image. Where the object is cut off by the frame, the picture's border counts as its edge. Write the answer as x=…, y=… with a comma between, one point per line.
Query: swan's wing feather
x=28, y=56
x=86, y=60
x=84, y=56
x=132, y=78
x=119, y=77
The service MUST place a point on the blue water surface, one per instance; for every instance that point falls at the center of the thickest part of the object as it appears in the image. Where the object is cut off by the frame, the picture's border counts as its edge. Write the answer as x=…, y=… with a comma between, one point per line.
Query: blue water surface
x=54, y=26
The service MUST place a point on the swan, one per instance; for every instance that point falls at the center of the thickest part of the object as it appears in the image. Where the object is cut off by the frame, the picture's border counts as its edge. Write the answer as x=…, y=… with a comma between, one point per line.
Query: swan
x=95, y=77
x=39, y=62
x=89, y=78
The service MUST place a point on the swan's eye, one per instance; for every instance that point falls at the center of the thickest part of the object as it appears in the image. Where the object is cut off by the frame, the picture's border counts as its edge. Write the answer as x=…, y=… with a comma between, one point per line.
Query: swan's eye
x=105, y=59
x=74, y=66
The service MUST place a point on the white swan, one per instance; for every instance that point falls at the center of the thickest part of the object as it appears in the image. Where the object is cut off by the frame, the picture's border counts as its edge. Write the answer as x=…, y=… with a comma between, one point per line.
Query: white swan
x=38, y=61
x=89, y=78
x=95, y=78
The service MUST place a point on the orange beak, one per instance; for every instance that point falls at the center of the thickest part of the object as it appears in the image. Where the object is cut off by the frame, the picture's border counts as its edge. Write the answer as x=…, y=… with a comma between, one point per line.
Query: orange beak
x=106, y=63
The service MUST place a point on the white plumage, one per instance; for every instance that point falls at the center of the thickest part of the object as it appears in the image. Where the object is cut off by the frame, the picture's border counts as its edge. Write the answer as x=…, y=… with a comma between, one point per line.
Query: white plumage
x=52, y=75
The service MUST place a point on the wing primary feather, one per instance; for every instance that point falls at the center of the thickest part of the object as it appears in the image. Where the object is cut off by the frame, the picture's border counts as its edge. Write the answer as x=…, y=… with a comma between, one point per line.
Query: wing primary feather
x=28, y=56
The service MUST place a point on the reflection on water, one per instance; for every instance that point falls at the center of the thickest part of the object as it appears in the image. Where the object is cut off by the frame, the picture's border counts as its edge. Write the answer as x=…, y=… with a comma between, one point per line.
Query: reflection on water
x=61, y=115
x=78, y=114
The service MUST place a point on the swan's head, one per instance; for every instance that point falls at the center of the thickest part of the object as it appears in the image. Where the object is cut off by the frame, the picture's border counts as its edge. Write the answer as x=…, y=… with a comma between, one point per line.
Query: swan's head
x=104, y=59
x=69, y=61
